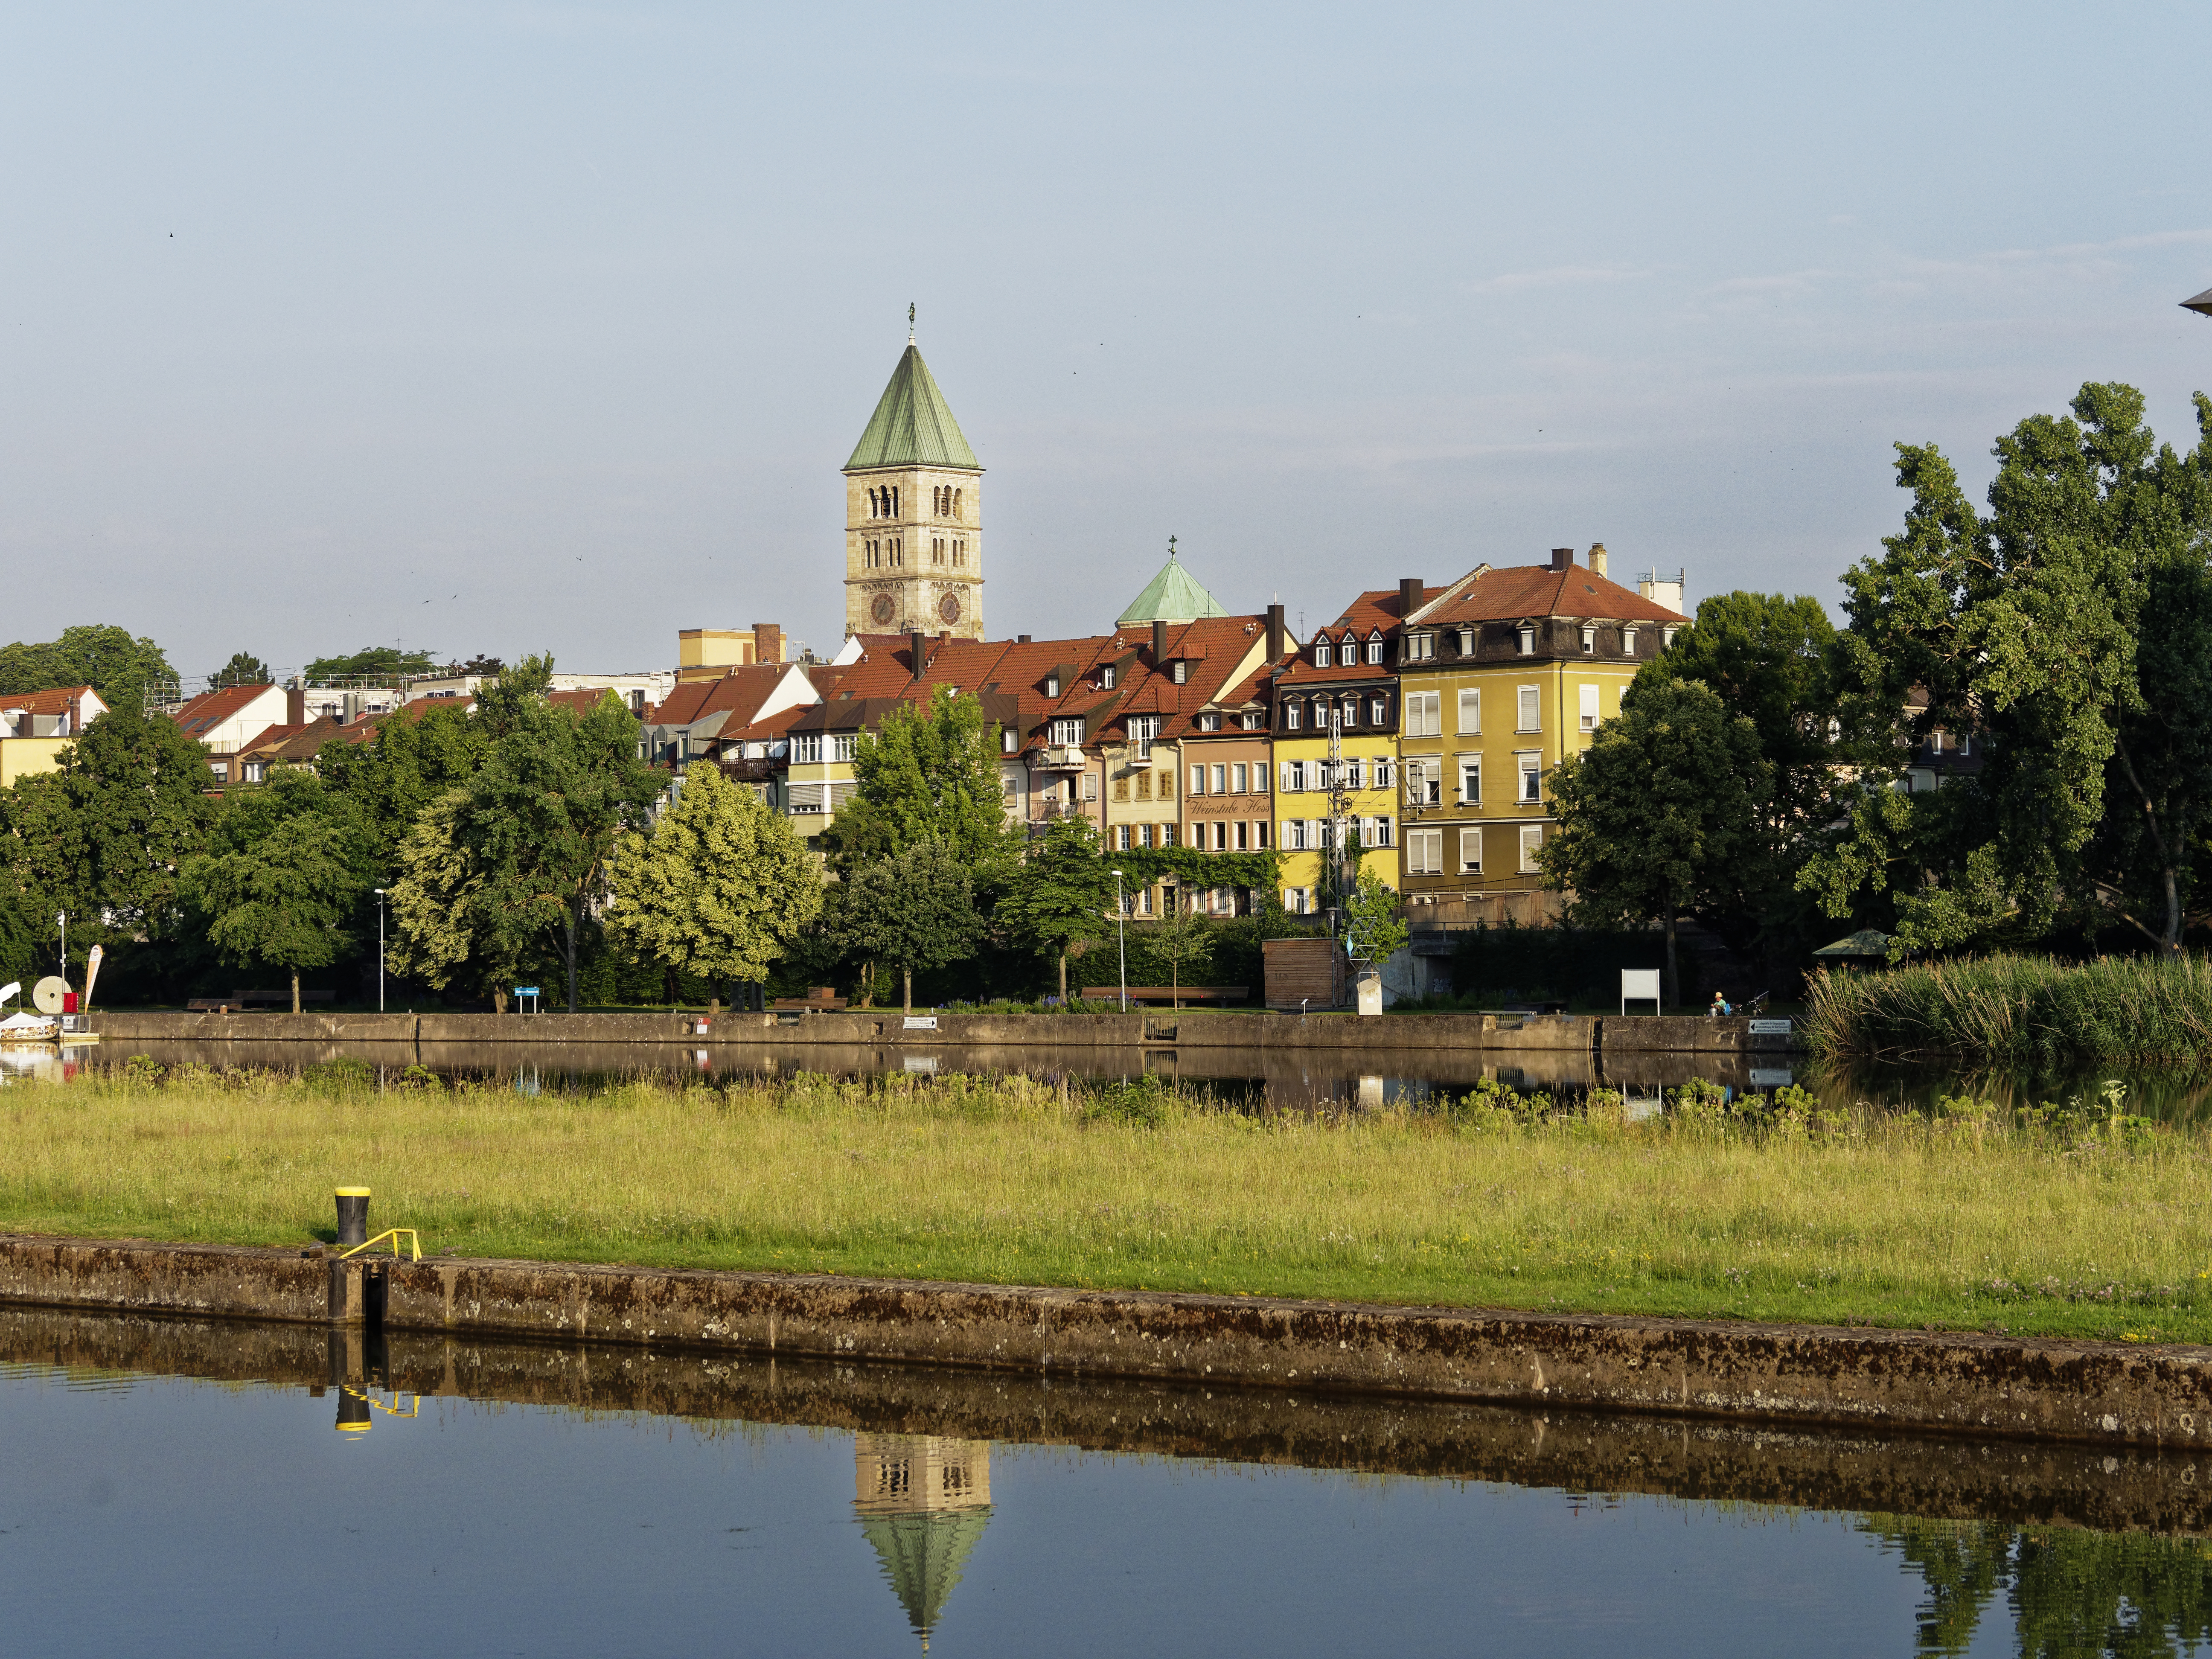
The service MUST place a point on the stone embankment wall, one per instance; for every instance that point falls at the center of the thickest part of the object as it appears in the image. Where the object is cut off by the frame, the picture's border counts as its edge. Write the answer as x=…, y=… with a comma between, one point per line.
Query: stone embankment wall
x=2107, y=1394
x=2126, y=1488
x=1402, y=1034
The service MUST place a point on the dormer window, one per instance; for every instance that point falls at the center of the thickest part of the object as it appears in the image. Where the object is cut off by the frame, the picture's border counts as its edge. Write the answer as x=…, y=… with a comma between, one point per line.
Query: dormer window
x=1589, y=642
x=1209, y=722
x=1292, y=715
x=1375, y=647
x=1106, y=678
x=1667, y=638
x=1320, y=653
x=1420, y=647
x=1009, y=741
x=1179, y=672
x=1052, y=685
x=1466, y=641
x=1527, y=640
x=1627, y=641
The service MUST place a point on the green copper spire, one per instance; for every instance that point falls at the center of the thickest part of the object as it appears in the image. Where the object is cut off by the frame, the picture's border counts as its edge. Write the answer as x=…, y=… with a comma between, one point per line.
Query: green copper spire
x=1171, y=596
x=912, y=425
x=923, y=1554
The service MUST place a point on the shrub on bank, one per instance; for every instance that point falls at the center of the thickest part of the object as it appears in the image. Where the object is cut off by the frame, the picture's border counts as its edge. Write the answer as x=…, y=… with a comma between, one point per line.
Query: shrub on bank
x=2018, y=1011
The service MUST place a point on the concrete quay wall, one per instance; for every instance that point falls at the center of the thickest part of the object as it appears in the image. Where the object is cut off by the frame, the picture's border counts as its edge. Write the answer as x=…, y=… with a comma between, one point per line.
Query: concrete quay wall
x=1402, y=1034
x=1959, y=1383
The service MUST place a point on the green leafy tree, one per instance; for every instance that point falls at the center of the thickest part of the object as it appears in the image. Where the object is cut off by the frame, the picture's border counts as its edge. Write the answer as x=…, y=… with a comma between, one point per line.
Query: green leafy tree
x=1375, y=930
x=103, y=837
x=916, y=909
x=244, y=668
x=929, y=774
x=1656, y=813
x=2066, y=632
x=121, y=668
x=410, y=760
x=720, y=886
x=1062, y=896
x=382, y=663
x=522, y=848
x=283, y=901
x=1182, y=938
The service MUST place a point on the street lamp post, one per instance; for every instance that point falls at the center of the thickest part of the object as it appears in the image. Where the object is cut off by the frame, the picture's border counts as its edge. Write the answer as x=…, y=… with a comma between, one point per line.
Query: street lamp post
x=379, y=949
x=1121, y=939
x=61, y=920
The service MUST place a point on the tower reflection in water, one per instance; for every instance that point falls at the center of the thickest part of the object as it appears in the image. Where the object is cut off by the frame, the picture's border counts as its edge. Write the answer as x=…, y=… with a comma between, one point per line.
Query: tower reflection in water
x=922, y=1501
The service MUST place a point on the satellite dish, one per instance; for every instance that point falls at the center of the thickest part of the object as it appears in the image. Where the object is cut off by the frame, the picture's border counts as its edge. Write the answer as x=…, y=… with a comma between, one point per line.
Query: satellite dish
x=47, y=996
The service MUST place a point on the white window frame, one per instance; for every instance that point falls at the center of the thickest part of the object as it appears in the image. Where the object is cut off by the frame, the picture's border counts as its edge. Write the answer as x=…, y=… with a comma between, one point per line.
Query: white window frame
x=1374, y=648
x=1470, y=702
x=1197, y=778
x=1589, y=642
x=1470, y=763
x=1628, y=641
x=1219, y=781
x=1424, y=713
x=1470, y=840
x=1239, y=777
x=1293, y=715
x=1529, y=788
x=1420, y=647
x=1384, y=766
x=1144, y=733
x=1528, y=639
x=1425, y=852
x=1067, y=734
x=1587, y=695
x=1322, y=654
x=1523, y=696
x=841, y=747
x=1532, y=837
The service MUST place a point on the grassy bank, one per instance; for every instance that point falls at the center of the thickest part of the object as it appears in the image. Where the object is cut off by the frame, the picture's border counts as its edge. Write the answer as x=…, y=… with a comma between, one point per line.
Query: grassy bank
x=2025, y=1011
x=2093, y=1223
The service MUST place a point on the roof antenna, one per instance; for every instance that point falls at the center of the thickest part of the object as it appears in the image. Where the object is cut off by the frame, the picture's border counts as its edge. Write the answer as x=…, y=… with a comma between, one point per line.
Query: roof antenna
x=910, y=322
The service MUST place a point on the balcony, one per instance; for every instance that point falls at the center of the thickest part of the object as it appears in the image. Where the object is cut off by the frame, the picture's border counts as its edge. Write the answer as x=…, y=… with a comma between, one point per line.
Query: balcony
x=1057, y=757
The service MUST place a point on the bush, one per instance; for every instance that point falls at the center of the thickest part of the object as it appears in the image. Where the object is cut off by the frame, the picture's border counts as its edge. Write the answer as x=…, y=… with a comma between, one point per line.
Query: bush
x=346, y=1075
x=1143, y=1100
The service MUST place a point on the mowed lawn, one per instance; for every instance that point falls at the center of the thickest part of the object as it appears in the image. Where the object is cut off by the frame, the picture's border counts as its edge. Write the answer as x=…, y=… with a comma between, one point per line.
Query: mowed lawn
x=1967, y=1221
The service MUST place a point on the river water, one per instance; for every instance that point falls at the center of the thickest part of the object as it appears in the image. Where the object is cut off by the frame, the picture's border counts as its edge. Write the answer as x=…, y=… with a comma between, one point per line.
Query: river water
x=198, y=1488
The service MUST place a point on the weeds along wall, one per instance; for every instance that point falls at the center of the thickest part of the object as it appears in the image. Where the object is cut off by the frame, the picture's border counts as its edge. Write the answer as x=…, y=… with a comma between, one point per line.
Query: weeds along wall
x=2034, y=1013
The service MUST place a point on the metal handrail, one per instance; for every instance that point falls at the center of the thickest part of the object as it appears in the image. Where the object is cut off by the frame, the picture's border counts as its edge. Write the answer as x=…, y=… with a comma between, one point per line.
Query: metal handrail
x=413, y=1241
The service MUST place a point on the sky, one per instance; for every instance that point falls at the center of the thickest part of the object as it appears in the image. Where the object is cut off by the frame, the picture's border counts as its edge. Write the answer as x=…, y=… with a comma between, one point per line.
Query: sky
x=486, y=329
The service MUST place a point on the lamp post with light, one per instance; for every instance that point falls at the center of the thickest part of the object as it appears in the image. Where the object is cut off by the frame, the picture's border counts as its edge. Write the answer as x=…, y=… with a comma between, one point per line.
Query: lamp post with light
x=379, y=949
x=61, y=920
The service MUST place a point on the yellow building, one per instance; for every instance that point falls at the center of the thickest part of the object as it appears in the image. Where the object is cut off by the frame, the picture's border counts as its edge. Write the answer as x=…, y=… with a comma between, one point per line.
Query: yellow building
x=35, y=726
x=1502, y=675
x=1335, y=725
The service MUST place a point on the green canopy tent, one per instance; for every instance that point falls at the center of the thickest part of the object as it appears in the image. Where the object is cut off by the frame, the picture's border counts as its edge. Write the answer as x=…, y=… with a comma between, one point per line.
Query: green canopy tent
x=1867, y=942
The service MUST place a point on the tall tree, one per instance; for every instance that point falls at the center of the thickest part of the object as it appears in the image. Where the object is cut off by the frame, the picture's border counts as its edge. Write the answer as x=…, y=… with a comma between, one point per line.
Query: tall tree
x=1656, y=813
x=284, y=902
x=720, y=886
x=930, y=773
x=244, y=668
x=1061, y=895
x=372, y=662
x=522, y=847
x=412, y=759
x=916, y=909
x=2063, y=631
x=107, y=659
x=103, y=837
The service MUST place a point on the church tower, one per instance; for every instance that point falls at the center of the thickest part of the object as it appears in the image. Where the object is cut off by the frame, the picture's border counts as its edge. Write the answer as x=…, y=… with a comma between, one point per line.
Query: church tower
x=913, y=515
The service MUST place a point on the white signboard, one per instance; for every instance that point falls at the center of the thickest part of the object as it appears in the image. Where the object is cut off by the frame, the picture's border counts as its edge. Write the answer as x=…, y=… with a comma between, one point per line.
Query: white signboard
x=1639, y=985
x=1776, y=1077
x=1770, y=1028
x=921, y=1022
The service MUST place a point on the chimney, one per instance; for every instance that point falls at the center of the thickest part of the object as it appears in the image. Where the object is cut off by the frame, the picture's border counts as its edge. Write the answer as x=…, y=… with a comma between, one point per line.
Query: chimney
x=1597, y=558
x=1410, y=589
x=295, y=705
x=1563, y=558
x=918, y=642
x=1159, y=644
x=767, y=642
x=1274, y=632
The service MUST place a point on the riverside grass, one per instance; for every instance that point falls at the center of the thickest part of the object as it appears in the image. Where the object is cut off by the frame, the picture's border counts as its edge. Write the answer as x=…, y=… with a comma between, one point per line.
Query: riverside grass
x=2030, y=1012
x=2055, y=1222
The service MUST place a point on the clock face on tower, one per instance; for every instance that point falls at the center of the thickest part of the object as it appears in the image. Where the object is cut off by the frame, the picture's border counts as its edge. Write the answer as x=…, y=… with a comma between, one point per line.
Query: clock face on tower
x=882, y=610
x=949, y=607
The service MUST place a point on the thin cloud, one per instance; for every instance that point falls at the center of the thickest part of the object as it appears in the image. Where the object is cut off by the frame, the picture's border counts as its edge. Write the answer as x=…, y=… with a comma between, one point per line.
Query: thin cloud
x=1521, y=282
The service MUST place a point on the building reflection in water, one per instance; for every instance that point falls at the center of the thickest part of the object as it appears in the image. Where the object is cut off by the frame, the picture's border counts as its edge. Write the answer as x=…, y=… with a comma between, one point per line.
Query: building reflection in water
x=922, y=1501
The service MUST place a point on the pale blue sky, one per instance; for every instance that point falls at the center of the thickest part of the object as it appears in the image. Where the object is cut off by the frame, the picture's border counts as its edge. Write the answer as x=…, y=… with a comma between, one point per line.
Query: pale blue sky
x=563, y=317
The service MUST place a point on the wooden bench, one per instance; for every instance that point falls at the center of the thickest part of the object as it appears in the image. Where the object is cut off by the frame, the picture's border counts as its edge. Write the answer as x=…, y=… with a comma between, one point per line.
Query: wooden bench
x=212, y=1006
x=1168, y=993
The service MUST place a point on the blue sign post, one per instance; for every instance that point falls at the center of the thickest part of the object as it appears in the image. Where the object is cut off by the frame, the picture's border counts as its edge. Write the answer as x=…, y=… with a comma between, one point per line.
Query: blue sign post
x=534, y=994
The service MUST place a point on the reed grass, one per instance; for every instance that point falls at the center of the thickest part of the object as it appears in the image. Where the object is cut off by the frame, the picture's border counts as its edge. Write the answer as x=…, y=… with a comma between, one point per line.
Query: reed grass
x=2027, y=1012
x=2091, y=1224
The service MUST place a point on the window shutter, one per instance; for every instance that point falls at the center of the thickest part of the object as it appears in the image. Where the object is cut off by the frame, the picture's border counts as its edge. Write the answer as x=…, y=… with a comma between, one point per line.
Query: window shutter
x=1285, y=785
x=1470, y=713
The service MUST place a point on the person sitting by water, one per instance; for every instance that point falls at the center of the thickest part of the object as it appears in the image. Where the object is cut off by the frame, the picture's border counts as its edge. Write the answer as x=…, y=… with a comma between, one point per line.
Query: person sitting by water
x=1720, y=1007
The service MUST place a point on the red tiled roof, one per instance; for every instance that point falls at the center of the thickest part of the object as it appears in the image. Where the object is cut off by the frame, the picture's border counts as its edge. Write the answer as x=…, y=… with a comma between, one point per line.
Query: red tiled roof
x=1369, y=614
x=55, y=700
x=210, y=708
x=1576, y=593
x=738, y=694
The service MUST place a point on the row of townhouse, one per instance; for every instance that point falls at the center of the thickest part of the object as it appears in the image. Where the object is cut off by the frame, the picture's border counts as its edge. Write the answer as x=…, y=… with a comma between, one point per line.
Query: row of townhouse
x=1411, y=736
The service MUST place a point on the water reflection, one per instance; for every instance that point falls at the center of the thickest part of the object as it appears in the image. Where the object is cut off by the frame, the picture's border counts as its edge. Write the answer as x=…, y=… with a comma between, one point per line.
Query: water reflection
x=535, y=1497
